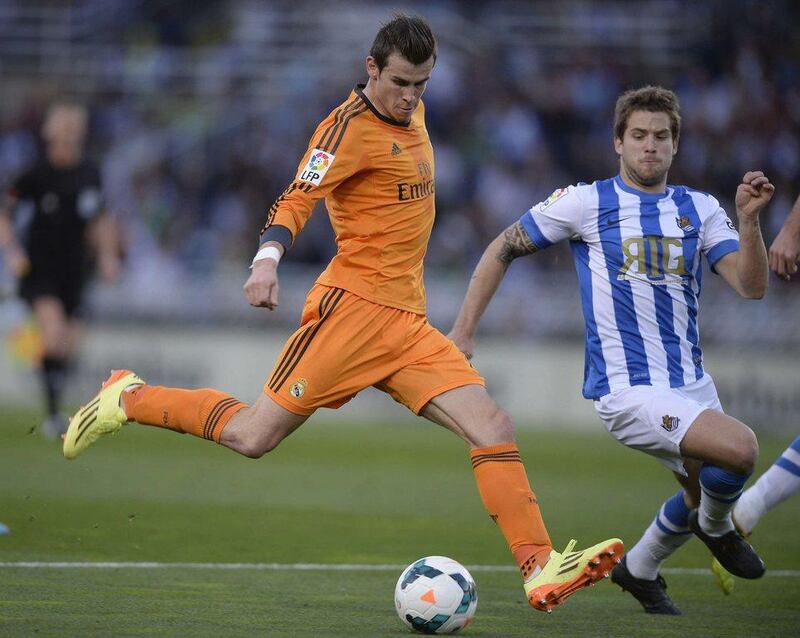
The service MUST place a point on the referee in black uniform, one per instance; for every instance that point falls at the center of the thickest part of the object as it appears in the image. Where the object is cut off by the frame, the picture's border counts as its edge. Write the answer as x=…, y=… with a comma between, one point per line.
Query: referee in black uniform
x=53, y=229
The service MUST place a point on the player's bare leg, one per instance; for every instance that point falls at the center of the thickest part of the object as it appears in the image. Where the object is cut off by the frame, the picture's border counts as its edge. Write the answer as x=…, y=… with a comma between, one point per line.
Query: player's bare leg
x=258, y=429
x=718, y=439
x=472, y=414
x=58, y=346
x=53, y=324
x=549, y=576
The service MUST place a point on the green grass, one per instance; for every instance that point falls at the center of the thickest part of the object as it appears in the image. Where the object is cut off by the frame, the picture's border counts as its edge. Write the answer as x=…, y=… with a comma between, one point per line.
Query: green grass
x=332, y=494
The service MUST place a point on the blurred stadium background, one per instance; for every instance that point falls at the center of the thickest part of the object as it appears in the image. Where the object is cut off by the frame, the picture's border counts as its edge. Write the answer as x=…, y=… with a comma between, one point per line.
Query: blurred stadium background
x=200, y=111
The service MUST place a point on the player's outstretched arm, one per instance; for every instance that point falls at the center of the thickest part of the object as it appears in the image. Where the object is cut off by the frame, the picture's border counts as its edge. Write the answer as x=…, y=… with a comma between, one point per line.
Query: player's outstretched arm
x=512, y=243
x=785, y=250
x=747, y=270
x=261, y=287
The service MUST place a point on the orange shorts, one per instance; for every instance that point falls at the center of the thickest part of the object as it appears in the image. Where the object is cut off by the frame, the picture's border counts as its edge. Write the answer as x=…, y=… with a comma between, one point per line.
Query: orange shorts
x=346, y=343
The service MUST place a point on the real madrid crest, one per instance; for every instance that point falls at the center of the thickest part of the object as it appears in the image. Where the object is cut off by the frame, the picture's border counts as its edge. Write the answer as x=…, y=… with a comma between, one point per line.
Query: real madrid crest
x=298, y=388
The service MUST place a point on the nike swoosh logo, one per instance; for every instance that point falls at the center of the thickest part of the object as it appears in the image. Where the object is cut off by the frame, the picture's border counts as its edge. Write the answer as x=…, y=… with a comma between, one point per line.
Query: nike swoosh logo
x=616, y=222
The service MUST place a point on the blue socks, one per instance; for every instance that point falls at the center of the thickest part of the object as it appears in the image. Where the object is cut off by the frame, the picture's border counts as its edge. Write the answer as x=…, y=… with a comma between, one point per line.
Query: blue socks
x=720, y=489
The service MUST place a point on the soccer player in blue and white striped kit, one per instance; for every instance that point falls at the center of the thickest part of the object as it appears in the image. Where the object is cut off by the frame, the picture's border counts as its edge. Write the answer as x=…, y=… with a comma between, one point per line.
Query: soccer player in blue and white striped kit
x=638, y=244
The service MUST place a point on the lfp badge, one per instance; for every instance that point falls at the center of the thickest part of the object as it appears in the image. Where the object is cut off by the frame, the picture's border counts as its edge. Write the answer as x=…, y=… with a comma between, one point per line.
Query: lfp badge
x=318, y=164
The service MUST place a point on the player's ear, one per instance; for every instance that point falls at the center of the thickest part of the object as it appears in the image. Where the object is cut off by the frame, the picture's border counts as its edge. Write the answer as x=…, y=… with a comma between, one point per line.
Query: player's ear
x=618, y=145
x=675, y=145
x=372, y=68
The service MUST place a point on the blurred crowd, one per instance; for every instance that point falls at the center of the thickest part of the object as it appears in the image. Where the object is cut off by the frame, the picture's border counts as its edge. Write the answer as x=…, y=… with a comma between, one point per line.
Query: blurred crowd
x=191, y=171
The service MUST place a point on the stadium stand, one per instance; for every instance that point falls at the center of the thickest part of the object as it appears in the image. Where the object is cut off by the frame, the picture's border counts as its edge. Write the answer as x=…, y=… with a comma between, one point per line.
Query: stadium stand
x=200, y=117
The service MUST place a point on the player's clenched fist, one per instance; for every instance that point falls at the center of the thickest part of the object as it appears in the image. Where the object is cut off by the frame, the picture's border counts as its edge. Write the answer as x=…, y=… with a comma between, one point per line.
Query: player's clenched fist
x=261, y=287
x=753, y=194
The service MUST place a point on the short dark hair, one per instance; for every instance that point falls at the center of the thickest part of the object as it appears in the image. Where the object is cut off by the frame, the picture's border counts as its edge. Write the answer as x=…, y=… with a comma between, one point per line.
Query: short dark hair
x=410, y=36
x=655, y=99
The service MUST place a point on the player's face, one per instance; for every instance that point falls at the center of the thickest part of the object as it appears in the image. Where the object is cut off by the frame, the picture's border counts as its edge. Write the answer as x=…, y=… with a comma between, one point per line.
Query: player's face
x=646, y=150
x=397, y=89
x=64, y=151
x=64, y=132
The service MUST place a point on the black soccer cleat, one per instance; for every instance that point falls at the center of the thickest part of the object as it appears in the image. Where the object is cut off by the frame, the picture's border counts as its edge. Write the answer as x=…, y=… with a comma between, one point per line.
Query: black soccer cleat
x=652, y=594
x=732, y=551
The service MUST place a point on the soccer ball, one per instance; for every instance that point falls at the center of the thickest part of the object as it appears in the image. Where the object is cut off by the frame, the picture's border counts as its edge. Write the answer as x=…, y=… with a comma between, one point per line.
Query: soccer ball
x=435, y=595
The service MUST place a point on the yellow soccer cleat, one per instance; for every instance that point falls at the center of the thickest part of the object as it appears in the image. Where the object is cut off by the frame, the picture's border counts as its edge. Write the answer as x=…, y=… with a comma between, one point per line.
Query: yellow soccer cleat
x=725, y=580
x=567, y=572
x=102, y=415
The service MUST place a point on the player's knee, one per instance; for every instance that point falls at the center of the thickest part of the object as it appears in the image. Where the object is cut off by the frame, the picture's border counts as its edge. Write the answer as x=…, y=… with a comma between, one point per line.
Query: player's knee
x=746, y=453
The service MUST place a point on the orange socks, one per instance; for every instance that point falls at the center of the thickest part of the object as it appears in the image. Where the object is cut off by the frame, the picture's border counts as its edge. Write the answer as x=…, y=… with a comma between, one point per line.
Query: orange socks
x=507, y=496
x=204, y=412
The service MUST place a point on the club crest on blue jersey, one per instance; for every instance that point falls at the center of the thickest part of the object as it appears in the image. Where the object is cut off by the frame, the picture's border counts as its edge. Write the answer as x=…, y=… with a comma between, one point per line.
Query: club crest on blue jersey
x=684, y=223
x=670, y=423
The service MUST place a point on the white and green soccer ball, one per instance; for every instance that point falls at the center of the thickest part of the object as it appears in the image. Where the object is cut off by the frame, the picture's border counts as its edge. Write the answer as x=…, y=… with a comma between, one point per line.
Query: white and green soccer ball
x=435, y=595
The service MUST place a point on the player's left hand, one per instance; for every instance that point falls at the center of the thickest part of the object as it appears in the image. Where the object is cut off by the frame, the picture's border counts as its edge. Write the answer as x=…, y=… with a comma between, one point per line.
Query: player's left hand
x=752, y=195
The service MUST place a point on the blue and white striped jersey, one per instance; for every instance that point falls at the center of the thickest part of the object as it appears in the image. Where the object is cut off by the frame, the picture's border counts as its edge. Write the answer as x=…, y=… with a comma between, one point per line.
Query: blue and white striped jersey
x=638, y=258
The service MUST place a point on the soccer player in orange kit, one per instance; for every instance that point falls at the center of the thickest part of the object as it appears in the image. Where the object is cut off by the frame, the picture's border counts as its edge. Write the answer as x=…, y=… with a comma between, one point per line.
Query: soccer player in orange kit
x=363, y=323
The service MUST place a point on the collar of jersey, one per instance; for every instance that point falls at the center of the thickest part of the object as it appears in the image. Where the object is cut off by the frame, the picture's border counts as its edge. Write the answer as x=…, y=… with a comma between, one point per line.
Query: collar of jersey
x=644, y=195
x=360, y=92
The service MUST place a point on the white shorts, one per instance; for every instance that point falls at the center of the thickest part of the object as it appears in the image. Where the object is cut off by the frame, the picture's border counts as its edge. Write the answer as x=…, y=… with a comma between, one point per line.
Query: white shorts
x=655, y=419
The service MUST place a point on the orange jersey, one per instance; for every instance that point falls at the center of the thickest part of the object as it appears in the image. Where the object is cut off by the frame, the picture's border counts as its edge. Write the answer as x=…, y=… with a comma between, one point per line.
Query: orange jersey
x=376, y=175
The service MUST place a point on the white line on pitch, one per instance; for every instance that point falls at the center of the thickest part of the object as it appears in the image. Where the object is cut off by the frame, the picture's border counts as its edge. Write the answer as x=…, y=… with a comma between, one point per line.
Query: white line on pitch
x=345, y=567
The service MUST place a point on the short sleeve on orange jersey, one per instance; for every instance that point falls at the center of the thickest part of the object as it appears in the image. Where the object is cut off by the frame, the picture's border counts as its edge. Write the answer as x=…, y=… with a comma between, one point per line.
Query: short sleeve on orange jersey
x=334, y=154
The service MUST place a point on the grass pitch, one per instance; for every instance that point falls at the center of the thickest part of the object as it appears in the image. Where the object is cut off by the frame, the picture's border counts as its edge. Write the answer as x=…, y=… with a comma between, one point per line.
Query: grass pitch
x=334, y=495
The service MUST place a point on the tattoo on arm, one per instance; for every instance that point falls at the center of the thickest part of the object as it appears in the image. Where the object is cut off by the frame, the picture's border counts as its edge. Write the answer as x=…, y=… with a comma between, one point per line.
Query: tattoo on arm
x=516, y=243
